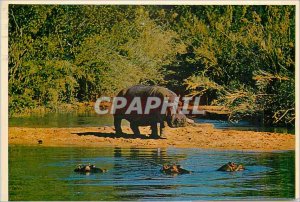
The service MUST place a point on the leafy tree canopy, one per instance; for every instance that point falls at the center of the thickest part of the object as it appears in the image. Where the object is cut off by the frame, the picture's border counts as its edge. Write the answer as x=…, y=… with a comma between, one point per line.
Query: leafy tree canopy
x=243, y=57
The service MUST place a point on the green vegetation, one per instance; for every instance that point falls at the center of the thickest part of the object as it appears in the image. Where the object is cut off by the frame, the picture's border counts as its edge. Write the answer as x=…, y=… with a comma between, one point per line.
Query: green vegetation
x=241, y=57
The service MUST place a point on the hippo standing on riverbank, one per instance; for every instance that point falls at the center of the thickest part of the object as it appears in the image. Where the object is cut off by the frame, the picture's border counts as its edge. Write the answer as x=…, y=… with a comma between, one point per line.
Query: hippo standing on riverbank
x=174, y=118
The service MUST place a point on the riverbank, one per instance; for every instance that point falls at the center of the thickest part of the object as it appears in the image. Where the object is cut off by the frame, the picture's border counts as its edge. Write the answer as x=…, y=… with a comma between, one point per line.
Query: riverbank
x=200, y=136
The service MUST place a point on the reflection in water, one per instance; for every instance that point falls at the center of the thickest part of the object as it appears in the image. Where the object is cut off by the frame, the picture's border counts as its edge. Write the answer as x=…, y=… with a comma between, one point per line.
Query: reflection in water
x=41, y=173
x=246, y=125
x=63, y=120
x=117, y=152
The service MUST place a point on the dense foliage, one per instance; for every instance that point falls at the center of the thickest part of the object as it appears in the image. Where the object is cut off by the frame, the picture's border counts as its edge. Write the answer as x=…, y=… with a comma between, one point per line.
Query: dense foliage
x=242, y=57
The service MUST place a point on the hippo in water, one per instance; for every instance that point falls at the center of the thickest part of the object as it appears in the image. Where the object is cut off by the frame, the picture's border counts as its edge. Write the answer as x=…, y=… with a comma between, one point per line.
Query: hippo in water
x=89, y=169
x=174, y=169
x=231, y=167
x=155, y=116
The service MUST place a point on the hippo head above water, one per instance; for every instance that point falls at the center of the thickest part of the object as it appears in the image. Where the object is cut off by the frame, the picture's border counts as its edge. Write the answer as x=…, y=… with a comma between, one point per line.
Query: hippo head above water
x=174, y=169
x=89, y=169
x=231, y=167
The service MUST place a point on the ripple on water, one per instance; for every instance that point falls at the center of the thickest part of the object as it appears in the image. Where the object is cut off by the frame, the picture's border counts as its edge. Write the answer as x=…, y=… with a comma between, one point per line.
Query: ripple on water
x=134, y=174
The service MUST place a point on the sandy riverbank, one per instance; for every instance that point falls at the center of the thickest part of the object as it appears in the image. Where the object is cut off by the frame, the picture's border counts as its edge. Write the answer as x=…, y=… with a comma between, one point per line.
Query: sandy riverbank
x=200, y=136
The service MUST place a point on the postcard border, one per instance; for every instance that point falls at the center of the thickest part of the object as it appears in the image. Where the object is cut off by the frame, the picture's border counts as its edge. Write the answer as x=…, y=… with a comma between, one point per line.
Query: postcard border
x=4, y=69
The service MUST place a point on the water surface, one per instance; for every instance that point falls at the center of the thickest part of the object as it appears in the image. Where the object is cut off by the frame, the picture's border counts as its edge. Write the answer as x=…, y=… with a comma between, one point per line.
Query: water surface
x=46, y=173
x=62, y=120
x=246, y=126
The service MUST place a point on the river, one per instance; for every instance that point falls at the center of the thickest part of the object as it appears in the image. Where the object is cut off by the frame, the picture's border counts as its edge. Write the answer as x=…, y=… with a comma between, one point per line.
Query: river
x=46, y=173
x=91, y=119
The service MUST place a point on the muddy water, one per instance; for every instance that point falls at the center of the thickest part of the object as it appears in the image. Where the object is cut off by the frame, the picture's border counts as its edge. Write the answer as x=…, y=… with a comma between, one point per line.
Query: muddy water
x=41, y=173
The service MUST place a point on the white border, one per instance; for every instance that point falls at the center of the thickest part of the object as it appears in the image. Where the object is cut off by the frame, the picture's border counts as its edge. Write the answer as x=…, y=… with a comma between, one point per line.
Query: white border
x=297, y=111
x=4, y=68
x=161, y=2
x=4, y=103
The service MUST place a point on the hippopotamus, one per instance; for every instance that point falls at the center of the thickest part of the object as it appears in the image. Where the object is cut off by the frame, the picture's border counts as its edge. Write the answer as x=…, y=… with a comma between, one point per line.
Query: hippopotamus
x=89, y=169
x=173, y=118
x=231, y=167
x=174, y=169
